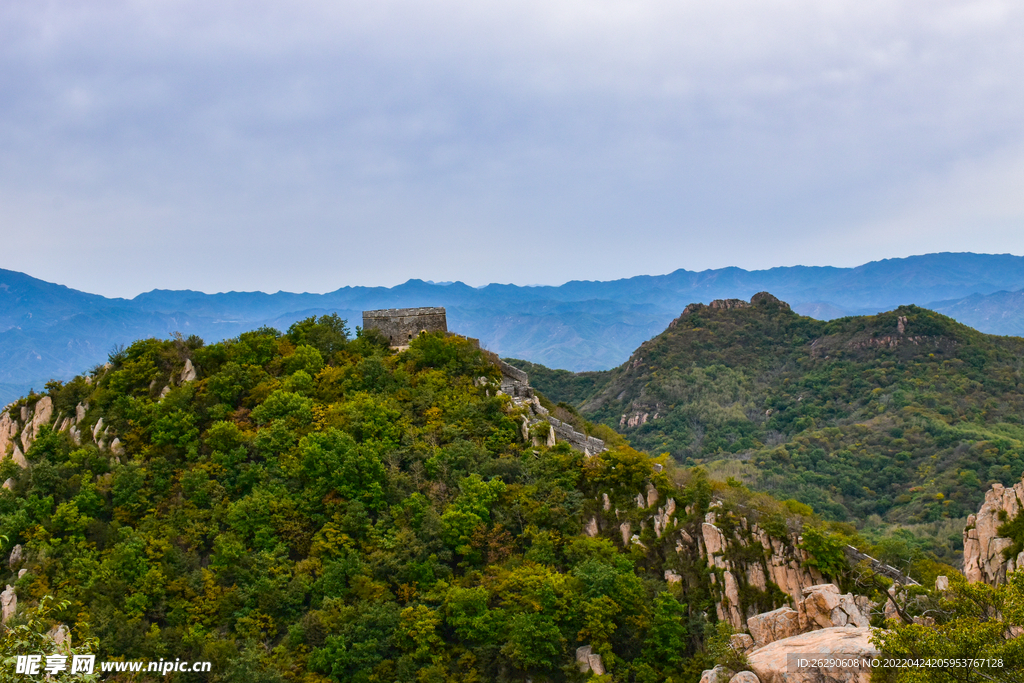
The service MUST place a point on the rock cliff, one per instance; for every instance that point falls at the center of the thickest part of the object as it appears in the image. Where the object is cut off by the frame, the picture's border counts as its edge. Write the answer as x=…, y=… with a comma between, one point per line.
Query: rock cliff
x=776, y=563
x=984, y=556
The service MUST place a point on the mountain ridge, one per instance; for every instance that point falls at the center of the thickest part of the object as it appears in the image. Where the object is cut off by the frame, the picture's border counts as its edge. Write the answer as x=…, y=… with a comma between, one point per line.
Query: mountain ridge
x=903, y=417
x=579, y=325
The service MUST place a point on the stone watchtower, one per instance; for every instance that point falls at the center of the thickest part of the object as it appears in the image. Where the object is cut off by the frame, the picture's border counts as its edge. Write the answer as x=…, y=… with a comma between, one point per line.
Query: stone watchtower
x=402, y=325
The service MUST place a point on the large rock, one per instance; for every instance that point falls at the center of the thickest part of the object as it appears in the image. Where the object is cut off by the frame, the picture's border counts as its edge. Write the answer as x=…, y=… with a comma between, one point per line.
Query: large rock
x=188, y=373
x=8, y=429
x=745, y=677
x=42, y=416
x=816, y=608
x=983, y=546
x=741, y=642
x=714, y=544
x=771, y=662
x=732, y=597
x=717, y=675
x=588, y=662
x=775, y=625
x=8, y=604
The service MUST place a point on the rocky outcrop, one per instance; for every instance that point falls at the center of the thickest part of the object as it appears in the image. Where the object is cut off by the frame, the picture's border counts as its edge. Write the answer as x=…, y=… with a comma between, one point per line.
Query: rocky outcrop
x=825, y=607
x=8, y=430
x=782, y=563
x=826, y=624
x=19, y=458
x=983, y=546
x=745, y=677
x=8, y=604
x=717, y=675
x=588, y=661
x=741, y=642
x=771, y=663
x=775, y=625
x=188, y=373
x=43, y=413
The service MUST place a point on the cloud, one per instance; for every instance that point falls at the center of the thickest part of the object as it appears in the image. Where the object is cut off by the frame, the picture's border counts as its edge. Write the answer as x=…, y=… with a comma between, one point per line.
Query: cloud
x=275, y=145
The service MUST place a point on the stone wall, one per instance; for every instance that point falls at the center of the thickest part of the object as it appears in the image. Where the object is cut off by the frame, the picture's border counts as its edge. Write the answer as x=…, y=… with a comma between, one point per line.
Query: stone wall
x=402, y=325
x=590, y=445
x=514, y=381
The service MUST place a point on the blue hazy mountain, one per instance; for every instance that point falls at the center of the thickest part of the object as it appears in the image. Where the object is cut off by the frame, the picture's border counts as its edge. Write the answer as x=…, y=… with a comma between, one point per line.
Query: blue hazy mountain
x=51, y=331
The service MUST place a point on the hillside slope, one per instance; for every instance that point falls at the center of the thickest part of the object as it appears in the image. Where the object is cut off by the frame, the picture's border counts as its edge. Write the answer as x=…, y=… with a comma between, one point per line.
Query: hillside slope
x=907, y=415
x=309, y=507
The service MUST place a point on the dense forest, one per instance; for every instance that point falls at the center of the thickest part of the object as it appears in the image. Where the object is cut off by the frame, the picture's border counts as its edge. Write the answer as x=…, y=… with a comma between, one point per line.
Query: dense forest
x=309, y=506
x=903, y=418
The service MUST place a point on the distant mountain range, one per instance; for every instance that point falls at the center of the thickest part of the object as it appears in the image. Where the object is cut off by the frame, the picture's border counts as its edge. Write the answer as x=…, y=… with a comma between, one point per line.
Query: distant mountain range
x=50, y=331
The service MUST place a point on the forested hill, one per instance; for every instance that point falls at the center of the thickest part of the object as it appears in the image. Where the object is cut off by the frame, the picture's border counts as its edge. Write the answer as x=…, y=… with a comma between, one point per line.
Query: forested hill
x=908, y=415
x=309, y=507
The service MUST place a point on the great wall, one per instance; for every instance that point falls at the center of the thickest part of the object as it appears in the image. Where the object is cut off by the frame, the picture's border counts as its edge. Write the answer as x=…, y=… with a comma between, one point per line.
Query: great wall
x=402, y=325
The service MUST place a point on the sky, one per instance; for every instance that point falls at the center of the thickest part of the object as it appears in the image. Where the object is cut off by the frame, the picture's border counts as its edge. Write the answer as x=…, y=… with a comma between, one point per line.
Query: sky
x=308, y=145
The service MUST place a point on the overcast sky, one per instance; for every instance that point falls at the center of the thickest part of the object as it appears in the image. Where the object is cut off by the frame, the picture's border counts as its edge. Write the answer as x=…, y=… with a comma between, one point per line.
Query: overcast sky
x=308, y=145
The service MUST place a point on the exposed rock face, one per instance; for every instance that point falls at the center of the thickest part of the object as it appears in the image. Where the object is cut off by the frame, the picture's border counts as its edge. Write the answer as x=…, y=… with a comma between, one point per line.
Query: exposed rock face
x=188, y=373
x=822, y=608
x=8, y=604
x=741, y=642
x=731, y=604
x=775, y=625
x=745, y=677
x=983, y=546
x=8, y=429
x=818, y=606
x=96, y=429
x=664, y=516
x=783, y=565
x=42, y=416
x=591, y=528
x=589, y=662
x=771, y=665
x=19, y=457
x=717, y=675
x=15, y=556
